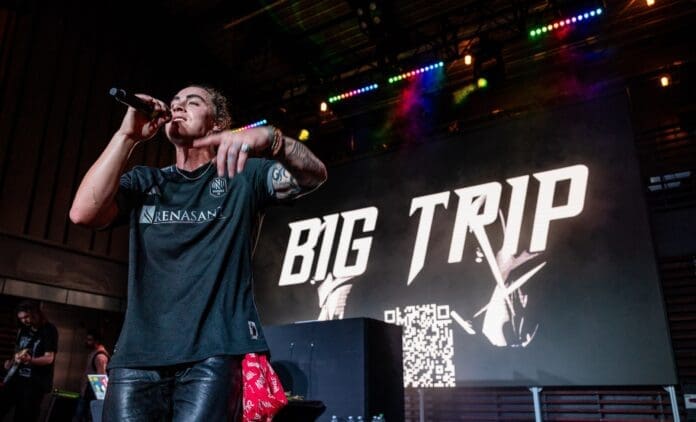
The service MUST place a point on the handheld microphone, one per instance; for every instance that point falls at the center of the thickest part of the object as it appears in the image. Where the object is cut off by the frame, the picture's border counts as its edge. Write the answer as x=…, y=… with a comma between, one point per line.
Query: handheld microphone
x=137, y=103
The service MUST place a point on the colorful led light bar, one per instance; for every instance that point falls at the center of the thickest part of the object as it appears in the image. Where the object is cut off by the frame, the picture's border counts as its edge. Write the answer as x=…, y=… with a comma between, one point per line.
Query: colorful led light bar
x=415, y=72
x=249, y=126
x=353, y=93
x=563, y=23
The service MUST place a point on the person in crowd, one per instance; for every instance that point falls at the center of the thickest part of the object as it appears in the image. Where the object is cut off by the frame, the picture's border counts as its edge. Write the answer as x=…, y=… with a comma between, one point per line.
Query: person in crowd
x=97, y=360
x=30, y=372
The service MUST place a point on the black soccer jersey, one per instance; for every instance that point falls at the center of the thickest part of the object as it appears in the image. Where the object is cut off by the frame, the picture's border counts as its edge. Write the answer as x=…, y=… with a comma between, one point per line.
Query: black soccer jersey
x=190, y=277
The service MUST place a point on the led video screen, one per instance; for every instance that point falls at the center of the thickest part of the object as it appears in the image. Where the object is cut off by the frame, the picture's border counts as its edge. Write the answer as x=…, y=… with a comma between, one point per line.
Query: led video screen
x=514, y=255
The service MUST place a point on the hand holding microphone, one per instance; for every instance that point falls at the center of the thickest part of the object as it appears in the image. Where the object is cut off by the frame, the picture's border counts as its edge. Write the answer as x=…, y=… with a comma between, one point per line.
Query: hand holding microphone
x=138, y=103
x=150, y=114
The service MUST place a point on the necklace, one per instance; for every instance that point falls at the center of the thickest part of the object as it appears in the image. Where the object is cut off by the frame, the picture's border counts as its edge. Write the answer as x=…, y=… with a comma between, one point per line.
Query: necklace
x=193, y=178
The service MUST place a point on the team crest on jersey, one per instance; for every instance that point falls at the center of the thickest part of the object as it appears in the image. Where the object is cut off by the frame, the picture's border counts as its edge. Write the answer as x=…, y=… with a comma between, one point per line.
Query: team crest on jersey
x=218, y=186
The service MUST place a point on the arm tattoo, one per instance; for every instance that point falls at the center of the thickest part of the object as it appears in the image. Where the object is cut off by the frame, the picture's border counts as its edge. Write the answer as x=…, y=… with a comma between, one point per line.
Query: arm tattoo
x=283, y=184
x=308, y=166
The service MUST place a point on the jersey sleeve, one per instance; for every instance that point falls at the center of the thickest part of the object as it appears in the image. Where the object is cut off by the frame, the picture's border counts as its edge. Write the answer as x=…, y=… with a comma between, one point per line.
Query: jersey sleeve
x=128, y=196
x=258, y=173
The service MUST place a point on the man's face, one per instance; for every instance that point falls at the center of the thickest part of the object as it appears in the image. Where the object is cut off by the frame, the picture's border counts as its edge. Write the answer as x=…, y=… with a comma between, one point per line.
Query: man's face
x=24, y=318
x=193, y=115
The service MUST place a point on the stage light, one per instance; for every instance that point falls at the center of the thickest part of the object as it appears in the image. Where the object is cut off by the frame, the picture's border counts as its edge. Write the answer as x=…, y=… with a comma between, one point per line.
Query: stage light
x=650, y=2
x=664, y=81
x=323, y=107
x=468, y=59
x=304, y=135
x=353, y=93
x=411, y=73
x=372, y=17
x=565, y=22
x=249, y=126
x=461, y=94
x=482, y=82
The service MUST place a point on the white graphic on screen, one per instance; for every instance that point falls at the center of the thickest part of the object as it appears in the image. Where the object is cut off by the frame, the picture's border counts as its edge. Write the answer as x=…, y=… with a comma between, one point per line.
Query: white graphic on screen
x=333, y=295
x=501, y=320
x=302, y=248
x=504, y=318
x=428, y=344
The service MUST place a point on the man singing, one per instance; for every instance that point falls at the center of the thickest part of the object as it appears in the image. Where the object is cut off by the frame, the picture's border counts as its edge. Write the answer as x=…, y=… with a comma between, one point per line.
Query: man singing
x=191, y=314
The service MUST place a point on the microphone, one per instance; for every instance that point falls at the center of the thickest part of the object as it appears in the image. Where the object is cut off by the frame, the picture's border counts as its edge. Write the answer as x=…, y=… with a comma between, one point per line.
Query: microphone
x=137, y=103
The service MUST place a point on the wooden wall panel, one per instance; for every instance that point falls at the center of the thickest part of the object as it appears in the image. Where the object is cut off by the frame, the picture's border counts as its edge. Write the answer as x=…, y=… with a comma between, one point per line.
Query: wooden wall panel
x=30, y=124
x=48, y=176
x=108, y=121
x=69, y=160
x=56, y=265
x=52, y=122
x=92, y=140
x=21, y=41
x=7, y=25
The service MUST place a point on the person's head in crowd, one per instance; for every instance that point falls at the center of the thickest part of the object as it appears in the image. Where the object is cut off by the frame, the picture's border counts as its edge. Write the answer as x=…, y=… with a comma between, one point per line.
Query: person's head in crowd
x=29, y=314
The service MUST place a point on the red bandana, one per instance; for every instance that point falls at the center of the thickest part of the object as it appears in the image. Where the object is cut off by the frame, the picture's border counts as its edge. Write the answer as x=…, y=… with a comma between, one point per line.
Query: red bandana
x=263, y=394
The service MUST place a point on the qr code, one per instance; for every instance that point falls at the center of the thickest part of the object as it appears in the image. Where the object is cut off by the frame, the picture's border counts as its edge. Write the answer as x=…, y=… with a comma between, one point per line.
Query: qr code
x=428, y=344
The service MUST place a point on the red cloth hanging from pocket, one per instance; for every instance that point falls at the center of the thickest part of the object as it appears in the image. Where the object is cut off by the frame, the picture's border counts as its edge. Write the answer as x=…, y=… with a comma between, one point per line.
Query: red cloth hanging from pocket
x=263, y=394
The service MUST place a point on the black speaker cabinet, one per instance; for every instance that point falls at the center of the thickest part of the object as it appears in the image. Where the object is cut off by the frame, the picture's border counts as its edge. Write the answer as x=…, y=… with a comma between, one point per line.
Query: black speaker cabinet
x=354, y=366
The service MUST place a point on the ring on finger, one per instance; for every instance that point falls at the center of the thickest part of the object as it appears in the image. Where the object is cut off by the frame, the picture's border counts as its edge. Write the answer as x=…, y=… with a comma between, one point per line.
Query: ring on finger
x=245, y=148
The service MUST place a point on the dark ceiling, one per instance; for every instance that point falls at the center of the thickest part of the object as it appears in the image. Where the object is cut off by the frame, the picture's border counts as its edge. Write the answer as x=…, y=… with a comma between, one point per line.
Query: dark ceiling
x=285, y=57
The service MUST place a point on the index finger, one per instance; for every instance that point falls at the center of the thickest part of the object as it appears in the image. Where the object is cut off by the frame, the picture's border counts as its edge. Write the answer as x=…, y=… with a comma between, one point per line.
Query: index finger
x=145, y=97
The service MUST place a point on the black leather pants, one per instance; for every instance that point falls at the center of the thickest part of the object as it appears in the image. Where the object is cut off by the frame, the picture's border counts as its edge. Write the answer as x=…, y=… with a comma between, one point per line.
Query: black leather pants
x=209, y=390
